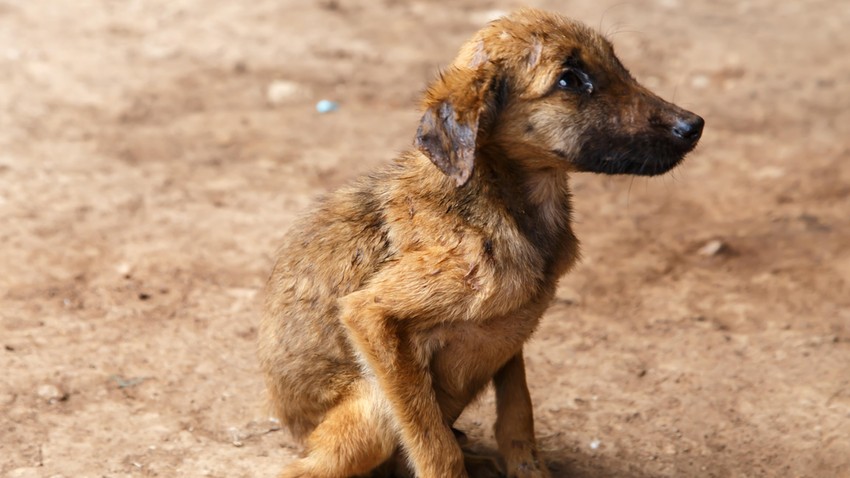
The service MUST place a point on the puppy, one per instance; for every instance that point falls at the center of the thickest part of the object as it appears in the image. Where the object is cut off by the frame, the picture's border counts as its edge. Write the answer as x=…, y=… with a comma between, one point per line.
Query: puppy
x=401, y=297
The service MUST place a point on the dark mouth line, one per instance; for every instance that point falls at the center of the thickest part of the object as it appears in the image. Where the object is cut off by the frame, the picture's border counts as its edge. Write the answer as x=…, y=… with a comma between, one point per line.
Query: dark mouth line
x=644, y=165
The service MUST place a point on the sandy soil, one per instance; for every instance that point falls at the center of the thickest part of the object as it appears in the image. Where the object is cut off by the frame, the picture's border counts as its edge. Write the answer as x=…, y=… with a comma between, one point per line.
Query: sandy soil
x=146, y=176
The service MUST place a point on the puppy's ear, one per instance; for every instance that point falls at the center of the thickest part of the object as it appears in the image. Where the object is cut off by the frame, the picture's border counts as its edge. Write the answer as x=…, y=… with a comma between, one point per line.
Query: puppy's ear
x=454, y=105
x=448, y=141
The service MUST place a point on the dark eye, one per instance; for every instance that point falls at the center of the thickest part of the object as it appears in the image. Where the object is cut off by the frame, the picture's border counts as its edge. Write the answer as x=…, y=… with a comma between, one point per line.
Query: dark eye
x=575, y=81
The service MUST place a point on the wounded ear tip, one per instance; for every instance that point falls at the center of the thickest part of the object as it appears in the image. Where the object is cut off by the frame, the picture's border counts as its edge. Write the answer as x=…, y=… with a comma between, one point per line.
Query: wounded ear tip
x=462, y=177
x=419, y=143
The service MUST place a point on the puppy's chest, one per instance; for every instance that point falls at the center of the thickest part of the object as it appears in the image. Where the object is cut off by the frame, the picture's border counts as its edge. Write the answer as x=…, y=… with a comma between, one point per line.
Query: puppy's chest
x=500, y=260
x=465, y=355
x=512, y=276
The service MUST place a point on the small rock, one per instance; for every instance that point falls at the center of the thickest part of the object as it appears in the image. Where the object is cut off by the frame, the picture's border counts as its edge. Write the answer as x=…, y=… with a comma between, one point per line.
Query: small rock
x=594, y=444
x=327, y=106
x=712, y=248
x=51, y=393
x=274, y=424
x=235, y=436
x=127, y=382
x=123, y=269
x=281, y=91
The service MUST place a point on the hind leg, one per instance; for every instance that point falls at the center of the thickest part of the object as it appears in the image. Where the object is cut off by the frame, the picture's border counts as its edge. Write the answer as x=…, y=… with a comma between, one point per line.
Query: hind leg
x=354, y=438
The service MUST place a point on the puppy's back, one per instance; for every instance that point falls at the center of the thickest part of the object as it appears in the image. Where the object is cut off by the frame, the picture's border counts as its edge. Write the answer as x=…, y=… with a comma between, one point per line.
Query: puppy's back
x=327, y=254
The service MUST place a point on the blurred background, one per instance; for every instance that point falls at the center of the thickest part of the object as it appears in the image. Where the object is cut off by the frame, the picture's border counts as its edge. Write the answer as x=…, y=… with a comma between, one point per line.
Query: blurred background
x=153, y=153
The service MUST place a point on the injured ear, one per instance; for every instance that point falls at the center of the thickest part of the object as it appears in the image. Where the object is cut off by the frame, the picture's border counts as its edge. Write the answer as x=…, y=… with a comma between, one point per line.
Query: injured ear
x=448, y=141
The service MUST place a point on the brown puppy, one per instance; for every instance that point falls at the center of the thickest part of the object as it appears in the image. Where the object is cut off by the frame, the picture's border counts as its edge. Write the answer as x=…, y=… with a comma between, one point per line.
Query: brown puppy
x=397, y=301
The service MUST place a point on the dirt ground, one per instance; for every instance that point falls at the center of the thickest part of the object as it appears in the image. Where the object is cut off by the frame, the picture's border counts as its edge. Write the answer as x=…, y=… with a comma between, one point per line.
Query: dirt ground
x=153, y=153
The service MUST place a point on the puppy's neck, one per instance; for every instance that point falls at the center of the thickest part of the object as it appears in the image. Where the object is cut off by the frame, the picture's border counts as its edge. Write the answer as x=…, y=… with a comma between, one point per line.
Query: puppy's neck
x=549, y=192
x=540, y=188
x=536, y=196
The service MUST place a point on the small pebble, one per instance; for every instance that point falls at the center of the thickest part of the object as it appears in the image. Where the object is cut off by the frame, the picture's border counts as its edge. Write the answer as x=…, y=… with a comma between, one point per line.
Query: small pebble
x=235, y=436
x=712, y=248
x=326, y=106
x=281, y=91
x=274, y=424
x=51, y=393
x=127, y=382
x=123, y=269
x=594, y=445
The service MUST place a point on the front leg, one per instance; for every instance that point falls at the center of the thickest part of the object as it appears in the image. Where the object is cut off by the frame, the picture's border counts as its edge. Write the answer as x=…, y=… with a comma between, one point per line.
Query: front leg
x=515, y=422
x=403, y=374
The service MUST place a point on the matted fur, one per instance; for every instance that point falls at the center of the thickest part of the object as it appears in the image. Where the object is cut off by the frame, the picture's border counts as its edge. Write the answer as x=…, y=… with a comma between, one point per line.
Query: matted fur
x=399, y=298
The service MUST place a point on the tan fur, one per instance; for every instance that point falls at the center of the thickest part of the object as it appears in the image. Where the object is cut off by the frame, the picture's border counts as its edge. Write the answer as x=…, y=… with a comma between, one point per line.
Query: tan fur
x=401, y=297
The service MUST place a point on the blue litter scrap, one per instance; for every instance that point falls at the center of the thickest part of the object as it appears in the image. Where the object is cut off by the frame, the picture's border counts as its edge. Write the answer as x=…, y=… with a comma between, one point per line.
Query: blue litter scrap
x=326, y=106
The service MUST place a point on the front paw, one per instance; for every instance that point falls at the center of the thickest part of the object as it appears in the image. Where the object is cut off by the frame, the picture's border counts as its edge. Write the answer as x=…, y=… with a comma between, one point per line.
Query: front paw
x=530, y=468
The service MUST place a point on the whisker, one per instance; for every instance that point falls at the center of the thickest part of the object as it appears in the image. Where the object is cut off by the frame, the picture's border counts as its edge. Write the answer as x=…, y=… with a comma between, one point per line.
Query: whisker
x=605, y=13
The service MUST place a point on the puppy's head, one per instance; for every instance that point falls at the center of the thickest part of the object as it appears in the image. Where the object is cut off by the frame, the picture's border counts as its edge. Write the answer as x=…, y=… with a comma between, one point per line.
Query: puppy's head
x=549, y=91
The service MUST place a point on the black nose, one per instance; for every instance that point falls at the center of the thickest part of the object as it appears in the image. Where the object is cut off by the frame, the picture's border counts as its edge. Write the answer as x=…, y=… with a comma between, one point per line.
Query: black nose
x=688, y=128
